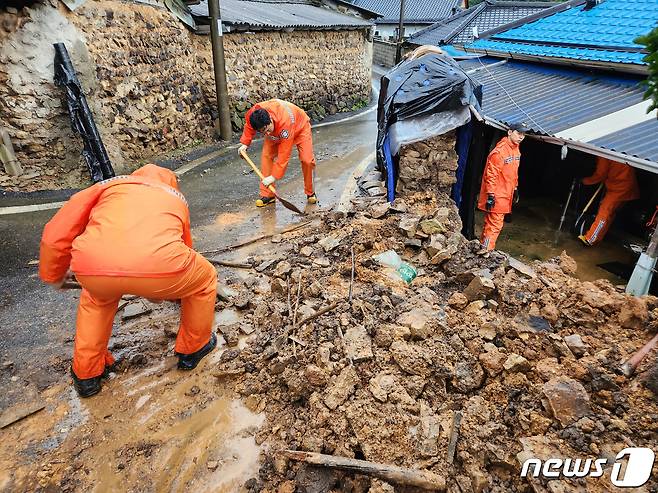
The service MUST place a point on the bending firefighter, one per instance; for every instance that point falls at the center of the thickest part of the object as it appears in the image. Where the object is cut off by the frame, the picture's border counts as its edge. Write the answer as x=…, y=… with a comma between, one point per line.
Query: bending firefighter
x=284, y=125
x=500, y=183
x=129, y=235
x=620, y=186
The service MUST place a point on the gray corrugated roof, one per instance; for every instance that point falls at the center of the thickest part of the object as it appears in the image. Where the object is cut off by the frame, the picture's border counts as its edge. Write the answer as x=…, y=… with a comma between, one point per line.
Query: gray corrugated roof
x=259, y=15
x=490, y=14
x=638, y=140
x=415, y=11
x=551, y=99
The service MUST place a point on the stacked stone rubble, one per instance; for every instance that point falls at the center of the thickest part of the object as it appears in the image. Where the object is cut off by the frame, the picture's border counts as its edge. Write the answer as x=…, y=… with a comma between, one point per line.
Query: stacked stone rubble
x=432, y=163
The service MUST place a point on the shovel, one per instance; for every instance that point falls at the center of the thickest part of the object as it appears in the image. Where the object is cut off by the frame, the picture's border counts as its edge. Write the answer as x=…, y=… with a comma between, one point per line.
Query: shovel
x=564, y=211
x=582, y=214
x=286, y=204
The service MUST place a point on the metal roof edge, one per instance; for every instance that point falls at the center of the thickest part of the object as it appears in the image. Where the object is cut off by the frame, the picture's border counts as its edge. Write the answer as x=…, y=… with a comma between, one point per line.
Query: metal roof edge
x=629, y=68
x=357, y=7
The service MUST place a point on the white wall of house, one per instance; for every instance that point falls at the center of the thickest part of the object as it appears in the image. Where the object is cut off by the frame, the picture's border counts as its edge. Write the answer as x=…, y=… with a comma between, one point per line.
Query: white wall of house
x=386, y=31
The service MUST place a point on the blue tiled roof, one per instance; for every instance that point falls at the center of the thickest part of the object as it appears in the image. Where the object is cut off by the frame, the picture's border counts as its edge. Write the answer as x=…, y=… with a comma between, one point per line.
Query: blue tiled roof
x=604, y=33
x=560, y=51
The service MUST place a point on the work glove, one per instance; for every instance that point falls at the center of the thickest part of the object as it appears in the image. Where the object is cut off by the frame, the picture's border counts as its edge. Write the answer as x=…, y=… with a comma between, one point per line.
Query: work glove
x=241, y=149
x=516, y=195
x=268, y=180
x=491, y=202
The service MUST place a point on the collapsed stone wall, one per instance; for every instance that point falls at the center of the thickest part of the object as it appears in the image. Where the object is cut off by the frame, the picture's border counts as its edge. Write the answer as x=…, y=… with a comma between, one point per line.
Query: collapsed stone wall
x=149, y=82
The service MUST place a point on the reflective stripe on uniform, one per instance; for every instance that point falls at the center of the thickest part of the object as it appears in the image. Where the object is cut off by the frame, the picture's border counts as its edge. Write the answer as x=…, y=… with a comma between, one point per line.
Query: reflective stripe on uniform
x=597, y=231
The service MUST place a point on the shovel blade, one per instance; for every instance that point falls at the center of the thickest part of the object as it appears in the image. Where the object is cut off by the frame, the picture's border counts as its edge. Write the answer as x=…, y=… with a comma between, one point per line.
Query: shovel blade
x=289, y=205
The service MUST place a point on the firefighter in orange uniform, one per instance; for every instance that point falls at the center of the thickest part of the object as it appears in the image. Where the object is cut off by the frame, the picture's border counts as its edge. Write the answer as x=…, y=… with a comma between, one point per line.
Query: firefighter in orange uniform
x=129, y=235
x=500, y=182
x=284, y=125
x=620, y=186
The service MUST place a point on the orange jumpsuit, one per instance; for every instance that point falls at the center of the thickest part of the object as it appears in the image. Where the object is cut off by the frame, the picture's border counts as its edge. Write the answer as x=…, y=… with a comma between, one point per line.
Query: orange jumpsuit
x=500, y=178
x=620, y=186
x=292, y=126
x=128, y=235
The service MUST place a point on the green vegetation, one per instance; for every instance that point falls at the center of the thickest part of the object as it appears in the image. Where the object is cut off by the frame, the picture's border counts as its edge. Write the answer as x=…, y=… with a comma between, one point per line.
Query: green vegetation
x=650, y=41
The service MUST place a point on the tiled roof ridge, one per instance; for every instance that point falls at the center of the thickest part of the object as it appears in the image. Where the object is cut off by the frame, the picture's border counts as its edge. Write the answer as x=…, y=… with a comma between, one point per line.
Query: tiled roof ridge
x=566, y=44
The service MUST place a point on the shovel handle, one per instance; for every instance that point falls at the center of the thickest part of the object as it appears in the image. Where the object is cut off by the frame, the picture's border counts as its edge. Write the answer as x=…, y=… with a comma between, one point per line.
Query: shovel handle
x=255, y=168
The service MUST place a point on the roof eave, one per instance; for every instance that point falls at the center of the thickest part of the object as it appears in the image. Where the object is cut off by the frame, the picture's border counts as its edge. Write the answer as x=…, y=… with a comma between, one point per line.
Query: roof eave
x=629, y=68
x=621, y=157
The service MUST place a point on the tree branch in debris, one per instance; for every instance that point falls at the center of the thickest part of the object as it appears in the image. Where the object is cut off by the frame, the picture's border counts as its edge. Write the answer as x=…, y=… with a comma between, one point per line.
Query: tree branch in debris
x=319, y=313
x=394, y=474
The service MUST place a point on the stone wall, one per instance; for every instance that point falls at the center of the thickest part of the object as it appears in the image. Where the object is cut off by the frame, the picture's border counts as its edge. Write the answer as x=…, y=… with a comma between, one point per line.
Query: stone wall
x=149, y=82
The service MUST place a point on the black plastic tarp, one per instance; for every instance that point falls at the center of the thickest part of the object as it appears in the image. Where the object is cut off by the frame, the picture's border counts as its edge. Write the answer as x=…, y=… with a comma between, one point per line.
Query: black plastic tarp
x=429, y=85
x=82, y=120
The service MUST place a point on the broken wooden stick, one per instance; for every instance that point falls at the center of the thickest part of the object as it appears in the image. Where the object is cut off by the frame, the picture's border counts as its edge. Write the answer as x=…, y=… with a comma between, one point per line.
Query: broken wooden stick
x=228, y=263
x=19, y=412
x=254, y=240
x=394, y=474
x=299, y=293
x=634, y=361
x=454, y=435
x=349, y=298
x=319, y=313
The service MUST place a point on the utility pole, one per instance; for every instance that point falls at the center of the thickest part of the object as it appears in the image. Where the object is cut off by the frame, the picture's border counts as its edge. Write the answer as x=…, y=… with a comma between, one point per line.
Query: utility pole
x=217, y=41
x=398, y=50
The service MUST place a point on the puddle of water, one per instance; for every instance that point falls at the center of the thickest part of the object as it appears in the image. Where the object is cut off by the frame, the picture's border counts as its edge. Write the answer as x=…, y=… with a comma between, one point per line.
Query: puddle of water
x=132, y=380
x=532, y=236
x=210, y=435
x=141, y=401
x=229, y=219
x=227, y=316
x=147, y=386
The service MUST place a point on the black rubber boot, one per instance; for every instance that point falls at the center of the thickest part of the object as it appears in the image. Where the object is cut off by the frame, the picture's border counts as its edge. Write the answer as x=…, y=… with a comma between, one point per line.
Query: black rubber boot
x=86, y=387
x=189, y=361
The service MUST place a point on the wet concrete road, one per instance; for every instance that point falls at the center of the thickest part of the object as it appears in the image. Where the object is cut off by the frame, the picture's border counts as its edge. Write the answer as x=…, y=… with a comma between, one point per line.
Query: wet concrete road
x=37, y=323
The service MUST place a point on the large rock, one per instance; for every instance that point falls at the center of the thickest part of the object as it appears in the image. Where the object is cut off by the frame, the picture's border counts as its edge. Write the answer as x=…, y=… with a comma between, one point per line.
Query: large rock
x=493, y=361
x=576, y=344
x=521, y=268
x=328, y=243
x=412, y=359
x=457, y=300
x=342, y=387
x=358, y=345
x=567, y=398
x=479, y=288
x=432, y=226
x=430, y=430
x=409, y=225
x=516, y=363
x=468, y=375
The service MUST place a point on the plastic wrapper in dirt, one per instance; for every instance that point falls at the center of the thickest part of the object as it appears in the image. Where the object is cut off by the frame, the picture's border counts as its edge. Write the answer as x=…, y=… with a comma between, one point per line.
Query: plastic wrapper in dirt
x=396, y=266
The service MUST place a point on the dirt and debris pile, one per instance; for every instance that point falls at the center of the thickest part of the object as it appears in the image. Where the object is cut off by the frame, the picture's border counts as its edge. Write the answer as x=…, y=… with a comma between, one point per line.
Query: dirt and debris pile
x=478, y=363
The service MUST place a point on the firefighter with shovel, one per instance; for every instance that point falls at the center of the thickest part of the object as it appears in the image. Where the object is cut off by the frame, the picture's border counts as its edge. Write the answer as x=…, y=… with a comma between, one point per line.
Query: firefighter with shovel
x=283, y=125
x=620, y=187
